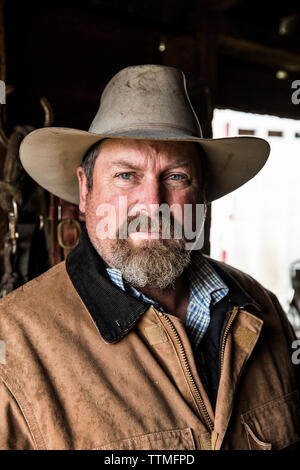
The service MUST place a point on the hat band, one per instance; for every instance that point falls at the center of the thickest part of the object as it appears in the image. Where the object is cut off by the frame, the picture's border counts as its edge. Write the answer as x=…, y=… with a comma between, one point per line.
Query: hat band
x=147, y=126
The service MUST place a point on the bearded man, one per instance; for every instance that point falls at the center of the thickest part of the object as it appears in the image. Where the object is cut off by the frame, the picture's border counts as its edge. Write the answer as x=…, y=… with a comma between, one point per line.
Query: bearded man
x=138, y=341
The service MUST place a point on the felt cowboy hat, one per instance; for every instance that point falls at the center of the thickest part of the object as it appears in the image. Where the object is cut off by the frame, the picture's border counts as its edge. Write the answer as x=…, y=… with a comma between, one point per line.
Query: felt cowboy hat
x=140, y=102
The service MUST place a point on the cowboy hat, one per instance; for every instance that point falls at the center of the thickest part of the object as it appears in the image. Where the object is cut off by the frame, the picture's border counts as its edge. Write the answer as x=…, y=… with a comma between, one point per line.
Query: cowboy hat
x=148, y=102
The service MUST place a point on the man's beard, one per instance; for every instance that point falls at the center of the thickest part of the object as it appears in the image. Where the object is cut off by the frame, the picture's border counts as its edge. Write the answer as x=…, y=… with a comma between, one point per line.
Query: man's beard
x=155, y=263
x=152, y=263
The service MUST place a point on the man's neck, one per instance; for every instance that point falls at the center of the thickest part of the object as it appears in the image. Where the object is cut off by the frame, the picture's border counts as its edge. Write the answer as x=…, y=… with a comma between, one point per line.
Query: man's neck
x=175, y=300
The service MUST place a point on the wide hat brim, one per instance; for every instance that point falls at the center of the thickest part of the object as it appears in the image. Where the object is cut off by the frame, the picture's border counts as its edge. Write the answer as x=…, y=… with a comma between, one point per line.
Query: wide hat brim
x=51, y=155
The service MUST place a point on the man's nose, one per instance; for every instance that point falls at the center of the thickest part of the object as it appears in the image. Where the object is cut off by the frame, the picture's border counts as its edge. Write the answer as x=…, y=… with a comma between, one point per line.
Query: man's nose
x=151, y=195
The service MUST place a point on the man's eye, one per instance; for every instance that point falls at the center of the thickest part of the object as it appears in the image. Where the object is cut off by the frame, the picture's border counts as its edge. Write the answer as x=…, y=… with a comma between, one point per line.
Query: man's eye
x=177, y=177
x=124, y=176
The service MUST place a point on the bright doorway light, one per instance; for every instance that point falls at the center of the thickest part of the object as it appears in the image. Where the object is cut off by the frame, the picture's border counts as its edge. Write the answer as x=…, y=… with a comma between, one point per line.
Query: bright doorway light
x=257, y=227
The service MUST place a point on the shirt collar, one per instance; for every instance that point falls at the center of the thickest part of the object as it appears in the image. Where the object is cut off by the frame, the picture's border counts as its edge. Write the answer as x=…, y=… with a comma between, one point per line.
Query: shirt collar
x=206, y=285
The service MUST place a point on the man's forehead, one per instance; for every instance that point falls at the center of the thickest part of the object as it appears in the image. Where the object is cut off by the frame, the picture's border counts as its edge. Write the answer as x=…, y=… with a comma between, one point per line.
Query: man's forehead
x=133, y=149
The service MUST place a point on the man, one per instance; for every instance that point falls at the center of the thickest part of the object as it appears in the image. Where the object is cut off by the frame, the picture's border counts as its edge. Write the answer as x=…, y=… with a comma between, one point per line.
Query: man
x=138, y=341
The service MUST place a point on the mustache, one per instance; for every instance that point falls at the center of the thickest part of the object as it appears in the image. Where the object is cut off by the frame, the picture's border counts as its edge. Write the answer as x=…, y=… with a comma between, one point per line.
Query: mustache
x=157, y=224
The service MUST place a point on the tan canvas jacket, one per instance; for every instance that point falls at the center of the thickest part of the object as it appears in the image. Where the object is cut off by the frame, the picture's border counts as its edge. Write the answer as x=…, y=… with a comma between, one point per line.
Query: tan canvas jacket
x=64, y=386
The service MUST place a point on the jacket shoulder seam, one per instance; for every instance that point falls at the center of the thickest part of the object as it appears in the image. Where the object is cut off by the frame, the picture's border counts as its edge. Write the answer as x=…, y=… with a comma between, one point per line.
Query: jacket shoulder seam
x=15, y=294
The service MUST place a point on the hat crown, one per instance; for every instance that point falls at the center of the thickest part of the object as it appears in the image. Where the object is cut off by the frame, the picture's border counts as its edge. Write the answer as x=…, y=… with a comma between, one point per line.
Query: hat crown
x=146, y=97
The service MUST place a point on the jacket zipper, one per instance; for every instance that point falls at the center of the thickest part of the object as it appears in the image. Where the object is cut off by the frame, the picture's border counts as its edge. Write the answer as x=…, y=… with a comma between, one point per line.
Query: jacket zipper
x=189, y=374
x=225, y=335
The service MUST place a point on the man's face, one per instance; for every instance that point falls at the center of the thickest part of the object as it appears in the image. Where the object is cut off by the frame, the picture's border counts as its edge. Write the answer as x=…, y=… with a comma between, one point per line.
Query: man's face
x=133, y=178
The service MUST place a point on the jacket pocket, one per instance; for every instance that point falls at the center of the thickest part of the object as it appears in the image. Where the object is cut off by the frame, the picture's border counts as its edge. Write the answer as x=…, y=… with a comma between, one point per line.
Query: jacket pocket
x=176, y=439
x=274, y=425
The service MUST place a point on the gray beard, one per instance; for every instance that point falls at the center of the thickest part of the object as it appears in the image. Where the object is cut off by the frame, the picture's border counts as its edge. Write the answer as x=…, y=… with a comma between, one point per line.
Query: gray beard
x=155, y=263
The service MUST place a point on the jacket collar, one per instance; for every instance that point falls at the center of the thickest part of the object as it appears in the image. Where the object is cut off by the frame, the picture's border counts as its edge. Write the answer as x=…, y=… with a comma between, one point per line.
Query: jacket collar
x=113, y=310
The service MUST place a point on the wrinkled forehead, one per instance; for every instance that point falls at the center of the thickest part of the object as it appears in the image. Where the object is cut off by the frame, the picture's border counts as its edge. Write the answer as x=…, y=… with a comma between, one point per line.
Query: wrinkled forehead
x=139, y=150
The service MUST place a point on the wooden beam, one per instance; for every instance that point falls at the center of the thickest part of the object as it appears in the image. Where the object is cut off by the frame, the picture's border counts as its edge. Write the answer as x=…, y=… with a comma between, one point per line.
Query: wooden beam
x=258, y=53
x=3, y=215
x=195, y=53
x=2, y=42
x=219, y=5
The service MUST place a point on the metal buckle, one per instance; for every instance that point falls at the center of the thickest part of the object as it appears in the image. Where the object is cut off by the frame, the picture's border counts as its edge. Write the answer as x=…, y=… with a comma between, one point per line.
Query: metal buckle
x=60, y=236
x=12, y=226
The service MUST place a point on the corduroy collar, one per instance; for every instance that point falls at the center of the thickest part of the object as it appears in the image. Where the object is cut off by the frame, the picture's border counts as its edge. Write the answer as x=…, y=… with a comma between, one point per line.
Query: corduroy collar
x=114, y=311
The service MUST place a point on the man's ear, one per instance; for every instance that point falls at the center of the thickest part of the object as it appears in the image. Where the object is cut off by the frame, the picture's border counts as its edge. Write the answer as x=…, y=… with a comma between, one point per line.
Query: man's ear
x=83, y=190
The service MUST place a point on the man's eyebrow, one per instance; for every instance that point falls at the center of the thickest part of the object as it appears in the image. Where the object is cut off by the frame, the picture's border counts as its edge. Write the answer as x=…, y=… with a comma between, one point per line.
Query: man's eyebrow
x=181, y=163
x=126, y=164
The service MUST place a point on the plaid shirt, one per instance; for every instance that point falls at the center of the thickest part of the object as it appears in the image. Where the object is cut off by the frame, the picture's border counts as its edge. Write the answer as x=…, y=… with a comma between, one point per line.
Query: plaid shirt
x=206, y=289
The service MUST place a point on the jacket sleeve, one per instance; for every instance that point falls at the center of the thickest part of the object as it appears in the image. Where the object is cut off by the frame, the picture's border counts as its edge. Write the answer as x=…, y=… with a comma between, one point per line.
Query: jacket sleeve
x=14, y=431
x=290, y=336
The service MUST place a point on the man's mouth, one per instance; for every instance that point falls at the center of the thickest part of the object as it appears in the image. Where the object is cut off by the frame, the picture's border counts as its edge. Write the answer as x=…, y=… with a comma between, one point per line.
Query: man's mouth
x=136, y=236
